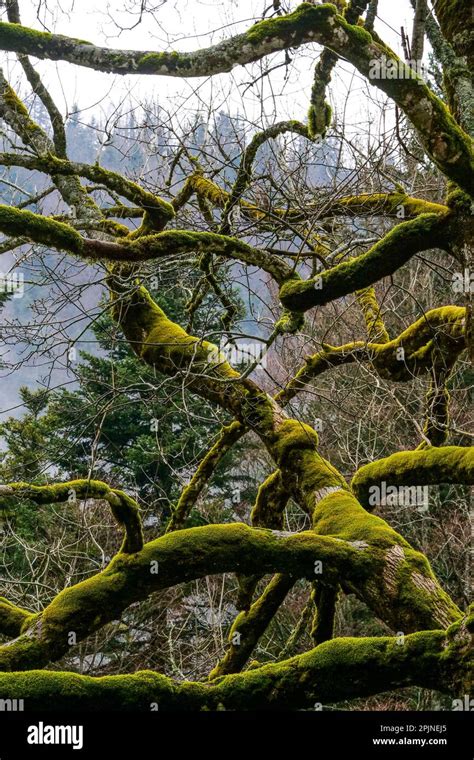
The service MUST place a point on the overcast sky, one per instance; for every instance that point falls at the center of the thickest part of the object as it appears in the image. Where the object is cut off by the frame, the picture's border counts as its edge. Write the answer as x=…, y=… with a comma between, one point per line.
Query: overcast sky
x=187, y=25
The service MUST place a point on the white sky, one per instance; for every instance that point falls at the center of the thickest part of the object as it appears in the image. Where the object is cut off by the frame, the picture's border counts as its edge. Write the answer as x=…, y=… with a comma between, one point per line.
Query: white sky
x=187, y=25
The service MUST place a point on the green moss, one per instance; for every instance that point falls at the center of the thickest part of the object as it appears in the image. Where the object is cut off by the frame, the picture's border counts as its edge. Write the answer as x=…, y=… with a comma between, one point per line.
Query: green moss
x=40, y=229
x=294, y=437
x=387, y=203
x=339, y=514
x=376, y=331
x=272, y=497
x=383, y=259
x=357, y=33
x=425, y=597
x=448, y=464
x=459, y=201
x=12, y=618
x=334, y=671
x=289, y=323
x=170, y=62
x=293, y=27
x=27, y=128
x=209, y=190
x=124, y=508
x=455, y=18
x=319, y=121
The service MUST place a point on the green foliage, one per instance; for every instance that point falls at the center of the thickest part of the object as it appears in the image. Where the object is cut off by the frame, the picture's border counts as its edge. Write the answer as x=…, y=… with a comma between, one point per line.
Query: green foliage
x=117, y=425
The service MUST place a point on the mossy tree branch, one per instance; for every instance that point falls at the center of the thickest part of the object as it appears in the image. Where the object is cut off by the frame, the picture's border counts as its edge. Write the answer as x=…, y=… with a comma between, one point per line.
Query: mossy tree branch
x=12, y=618
x=444, y=141
x=412, y=353
x=392, y=204
x=430, y=466
x=336, y=670
x=383, y=259
x=47, y=231
x=124, y=508
x=319, y=115
x=312, y=481
x=354, y=547
x=175, y=558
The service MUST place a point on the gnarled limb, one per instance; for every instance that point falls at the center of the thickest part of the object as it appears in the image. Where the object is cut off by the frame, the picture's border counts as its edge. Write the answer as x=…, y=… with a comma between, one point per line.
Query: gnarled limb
x=370, y=307
x=337, y=670
x=436, y=427
x=448, y=146
x=174, y=558
x=392, y=204
x=62, y=236
x=412, y=353
x=267, y=512
x=270, y=503
x=124, y=508
x=430, y=466
x=384, y=258
x=12, y=618
x=319, y=115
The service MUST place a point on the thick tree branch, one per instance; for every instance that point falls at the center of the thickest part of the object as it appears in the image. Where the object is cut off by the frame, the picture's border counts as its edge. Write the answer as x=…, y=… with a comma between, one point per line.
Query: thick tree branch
x=12, y=618
x=383, y=259
x=431, y=466
x=336, y=670
x=449, y=147
x=124, y=508
x=177, y=557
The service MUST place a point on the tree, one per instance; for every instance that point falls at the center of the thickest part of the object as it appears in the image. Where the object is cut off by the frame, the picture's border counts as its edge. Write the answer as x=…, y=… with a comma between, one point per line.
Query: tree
x=294, y=239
